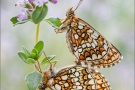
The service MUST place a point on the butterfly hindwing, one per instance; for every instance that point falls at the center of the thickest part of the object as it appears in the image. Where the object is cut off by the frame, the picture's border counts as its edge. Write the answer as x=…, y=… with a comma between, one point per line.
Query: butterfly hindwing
x=89, y=46
x=79, y=78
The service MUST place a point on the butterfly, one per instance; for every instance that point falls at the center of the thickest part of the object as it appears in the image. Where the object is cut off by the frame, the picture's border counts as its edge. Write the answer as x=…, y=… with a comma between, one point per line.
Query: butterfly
x=73, y=78
x=86, y=44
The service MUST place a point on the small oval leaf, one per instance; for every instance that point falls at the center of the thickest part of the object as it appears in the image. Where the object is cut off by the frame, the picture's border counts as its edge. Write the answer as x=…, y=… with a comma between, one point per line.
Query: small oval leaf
x=31, y=61
x=39, y=47
x=27, y=53
x=23, y=57
x=55, y=22
x=33, y=80
x=47, y=62
x=50, y=58
x=34, y=53
x=16, y=22
x=39, y=14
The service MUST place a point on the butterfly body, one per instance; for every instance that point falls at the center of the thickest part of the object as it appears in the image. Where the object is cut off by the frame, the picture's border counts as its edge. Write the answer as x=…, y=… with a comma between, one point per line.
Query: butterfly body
x=87, y=44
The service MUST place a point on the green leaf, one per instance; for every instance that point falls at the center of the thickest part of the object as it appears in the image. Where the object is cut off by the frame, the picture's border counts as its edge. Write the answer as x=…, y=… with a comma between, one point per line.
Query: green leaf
x=39, y=14
x=16, y=22
x=31, y=60
x=39, y=47
x=51, y=57
x=33, y=80
x=54, y=61
x=45, y=60
x=23, y=57
x=34, y=50
x=27, y=53
x=55, y=22
x=34, y=53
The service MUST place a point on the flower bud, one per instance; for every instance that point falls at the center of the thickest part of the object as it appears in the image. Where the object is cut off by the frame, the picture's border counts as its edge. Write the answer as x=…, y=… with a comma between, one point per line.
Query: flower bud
x=53, y=1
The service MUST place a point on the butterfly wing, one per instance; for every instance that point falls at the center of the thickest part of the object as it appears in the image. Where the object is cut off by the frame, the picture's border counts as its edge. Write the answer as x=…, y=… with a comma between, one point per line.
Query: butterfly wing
x=79, y=78
x=89, y=46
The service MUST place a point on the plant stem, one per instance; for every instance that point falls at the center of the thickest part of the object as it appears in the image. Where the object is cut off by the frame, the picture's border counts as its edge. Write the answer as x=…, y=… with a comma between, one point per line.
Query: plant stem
x=37, y=32
x=37, y=37
x=39, y=66
x=47, y=59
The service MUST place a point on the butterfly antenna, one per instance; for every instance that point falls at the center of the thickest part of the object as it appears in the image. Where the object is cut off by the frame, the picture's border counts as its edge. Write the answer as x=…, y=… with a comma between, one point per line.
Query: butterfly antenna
x=78, y=4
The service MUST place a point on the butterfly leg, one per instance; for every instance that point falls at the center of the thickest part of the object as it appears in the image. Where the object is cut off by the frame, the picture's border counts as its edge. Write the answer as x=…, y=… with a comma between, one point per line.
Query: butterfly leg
x=82, y=63
x=77, y=62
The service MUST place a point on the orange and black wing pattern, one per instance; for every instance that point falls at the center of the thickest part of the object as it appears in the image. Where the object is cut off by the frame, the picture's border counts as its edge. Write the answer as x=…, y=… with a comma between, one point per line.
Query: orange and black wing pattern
x=79, y=78
x=89, y=46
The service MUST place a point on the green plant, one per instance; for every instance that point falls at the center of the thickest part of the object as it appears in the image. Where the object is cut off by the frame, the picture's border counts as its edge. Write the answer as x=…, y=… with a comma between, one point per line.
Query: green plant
x=35, y=11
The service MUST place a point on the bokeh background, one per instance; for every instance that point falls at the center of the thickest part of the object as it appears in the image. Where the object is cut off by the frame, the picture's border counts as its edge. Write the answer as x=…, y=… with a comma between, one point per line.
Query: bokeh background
x=114, y=19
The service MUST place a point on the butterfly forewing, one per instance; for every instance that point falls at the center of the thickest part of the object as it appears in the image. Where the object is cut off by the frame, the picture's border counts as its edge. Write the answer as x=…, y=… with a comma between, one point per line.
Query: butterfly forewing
x=88, y=45
x=79, y=78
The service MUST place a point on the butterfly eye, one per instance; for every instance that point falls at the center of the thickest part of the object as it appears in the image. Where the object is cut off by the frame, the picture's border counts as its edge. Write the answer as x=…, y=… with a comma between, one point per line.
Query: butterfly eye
x=71, y=13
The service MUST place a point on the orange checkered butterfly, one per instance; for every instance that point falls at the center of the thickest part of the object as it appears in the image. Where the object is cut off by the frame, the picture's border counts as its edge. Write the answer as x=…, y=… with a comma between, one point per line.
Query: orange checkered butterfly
x=86, y=44
x=73, y=78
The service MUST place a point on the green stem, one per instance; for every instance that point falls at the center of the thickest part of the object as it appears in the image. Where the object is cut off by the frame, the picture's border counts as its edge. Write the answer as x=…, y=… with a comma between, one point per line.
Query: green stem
x=37, y=38
x=37, y=32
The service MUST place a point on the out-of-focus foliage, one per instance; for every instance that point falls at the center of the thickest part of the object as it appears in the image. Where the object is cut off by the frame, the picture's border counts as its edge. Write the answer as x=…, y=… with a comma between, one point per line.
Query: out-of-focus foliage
x=114, y=19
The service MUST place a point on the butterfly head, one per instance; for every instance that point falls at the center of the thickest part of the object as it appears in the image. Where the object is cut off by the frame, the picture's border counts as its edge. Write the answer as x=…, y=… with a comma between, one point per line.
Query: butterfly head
x=46, y=77
x=70, y=13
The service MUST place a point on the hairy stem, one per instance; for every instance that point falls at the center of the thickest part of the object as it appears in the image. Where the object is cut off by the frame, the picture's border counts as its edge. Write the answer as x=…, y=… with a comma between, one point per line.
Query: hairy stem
x=39, y=66
x=47, y=59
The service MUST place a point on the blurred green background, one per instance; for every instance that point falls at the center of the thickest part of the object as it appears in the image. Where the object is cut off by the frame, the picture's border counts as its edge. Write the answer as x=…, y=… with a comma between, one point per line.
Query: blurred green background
x=114, y=19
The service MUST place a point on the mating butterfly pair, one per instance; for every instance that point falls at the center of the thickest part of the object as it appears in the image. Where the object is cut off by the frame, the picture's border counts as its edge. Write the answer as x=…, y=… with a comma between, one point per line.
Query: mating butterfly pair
x=90, y=48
